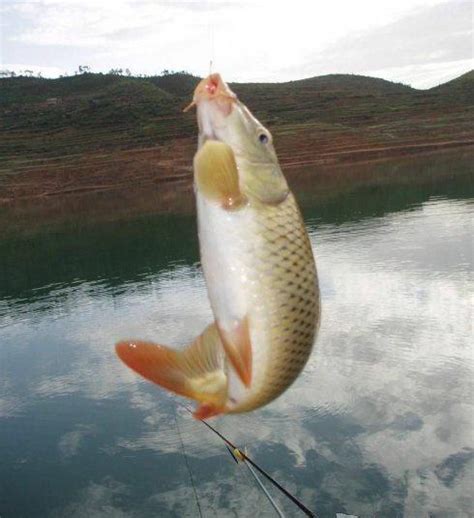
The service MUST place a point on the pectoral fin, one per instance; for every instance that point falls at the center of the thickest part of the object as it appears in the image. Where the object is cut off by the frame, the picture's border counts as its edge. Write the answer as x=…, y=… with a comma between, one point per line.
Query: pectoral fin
x=238, y=347
x=196, y=372
x=216, y=174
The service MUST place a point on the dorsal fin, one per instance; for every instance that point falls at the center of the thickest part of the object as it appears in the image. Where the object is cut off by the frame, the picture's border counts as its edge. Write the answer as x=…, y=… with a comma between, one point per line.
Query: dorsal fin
x=195, y=372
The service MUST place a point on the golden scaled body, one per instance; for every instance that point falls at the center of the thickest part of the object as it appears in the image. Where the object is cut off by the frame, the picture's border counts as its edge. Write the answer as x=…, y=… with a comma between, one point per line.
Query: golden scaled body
x=285, y=306
x=258, y=265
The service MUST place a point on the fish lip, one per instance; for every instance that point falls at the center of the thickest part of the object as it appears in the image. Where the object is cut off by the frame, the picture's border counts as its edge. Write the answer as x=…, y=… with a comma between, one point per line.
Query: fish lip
x=212, y=88
x=214, y=101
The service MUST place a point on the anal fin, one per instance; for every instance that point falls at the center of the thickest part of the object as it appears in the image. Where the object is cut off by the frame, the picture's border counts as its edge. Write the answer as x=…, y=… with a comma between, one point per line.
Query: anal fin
x=195, y=372
x=206, y=410
x=238, y=348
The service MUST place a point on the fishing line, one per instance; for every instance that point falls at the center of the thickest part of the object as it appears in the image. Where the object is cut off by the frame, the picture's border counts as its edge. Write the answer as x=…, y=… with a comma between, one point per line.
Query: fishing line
x=188, y=467
x=211, y=45
x=264, y=489
x=244, y=456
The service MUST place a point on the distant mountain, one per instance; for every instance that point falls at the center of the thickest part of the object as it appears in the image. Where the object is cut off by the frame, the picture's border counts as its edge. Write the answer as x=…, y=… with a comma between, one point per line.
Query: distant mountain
x=91, y=112
x=465, y=81
x=462, y=85
x=33, y=89
x=145, y=104
x=179, y=83
x=347, y=82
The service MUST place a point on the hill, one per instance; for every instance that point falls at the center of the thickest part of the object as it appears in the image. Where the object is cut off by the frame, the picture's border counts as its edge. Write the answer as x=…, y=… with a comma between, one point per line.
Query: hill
x=344, y=83
x=80, y=132
x=461, y=86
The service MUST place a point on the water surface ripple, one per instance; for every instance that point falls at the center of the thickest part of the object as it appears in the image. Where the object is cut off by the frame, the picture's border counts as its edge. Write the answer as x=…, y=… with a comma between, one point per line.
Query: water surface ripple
x=380, y=423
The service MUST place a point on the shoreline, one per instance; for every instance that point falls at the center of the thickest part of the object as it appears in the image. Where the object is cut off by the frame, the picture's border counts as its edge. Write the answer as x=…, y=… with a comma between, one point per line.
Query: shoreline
x=35, y=181
x=164, y=198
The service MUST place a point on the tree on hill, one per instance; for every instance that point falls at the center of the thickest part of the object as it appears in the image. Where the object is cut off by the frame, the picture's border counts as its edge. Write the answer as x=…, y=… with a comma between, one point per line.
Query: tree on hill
x=83, y=69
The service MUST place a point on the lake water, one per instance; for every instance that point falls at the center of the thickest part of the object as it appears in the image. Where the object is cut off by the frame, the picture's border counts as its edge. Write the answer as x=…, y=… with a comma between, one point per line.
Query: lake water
x=380, y=423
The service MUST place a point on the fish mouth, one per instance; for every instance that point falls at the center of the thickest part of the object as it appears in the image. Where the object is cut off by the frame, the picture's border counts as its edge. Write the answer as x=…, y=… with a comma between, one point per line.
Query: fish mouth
x=214, y=101
x=214, y=89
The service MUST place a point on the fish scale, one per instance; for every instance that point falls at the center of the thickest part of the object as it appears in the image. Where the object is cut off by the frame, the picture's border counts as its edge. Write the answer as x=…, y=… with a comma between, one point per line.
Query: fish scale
x=286, y=273
x=258, y=265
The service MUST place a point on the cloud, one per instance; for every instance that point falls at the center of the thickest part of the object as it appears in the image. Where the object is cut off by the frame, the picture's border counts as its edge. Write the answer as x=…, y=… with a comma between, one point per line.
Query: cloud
x=97, y=500
x=386, y=395
x=36, y=69
x=424, y=75
x=246, y=41
x=10, y=406
x=70, y=443
x=415, y=49
x=152, y=309
x=221, y=499
x=351, y=382
x=446, y=36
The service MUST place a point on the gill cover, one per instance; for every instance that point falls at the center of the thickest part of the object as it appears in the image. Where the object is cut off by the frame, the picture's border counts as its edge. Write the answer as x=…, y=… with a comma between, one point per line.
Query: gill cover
x=222, y=117
x=260, y=174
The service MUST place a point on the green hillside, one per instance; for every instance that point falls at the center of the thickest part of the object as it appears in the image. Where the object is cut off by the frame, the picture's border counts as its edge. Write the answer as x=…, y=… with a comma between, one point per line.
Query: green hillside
x=462, y=86
x=343, y=83
x=101, y=100
x=152, y=106
x=48, y=126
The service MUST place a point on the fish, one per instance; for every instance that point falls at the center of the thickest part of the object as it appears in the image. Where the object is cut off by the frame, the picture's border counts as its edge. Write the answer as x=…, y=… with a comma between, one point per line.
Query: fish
x=258, y=265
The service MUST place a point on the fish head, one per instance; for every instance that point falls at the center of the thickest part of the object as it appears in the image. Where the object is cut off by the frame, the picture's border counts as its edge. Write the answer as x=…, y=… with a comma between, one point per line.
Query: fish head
x=223, y=117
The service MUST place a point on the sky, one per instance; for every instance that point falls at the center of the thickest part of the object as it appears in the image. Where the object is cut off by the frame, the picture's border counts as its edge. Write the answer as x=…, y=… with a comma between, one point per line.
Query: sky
x=418, y=42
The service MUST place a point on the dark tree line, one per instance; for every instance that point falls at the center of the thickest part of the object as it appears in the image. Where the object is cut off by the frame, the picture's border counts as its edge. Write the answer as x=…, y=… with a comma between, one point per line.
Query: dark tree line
x=86, y=69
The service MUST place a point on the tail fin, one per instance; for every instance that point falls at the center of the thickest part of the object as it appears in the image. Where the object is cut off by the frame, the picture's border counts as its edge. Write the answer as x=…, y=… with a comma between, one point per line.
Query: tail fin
x=196, y=372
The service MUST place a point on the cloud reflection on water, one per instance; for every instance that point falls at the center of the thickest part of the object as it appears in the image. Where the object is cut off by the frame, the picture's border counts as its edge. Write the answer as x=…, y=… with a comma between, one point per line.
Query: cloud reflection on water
x=380, y=421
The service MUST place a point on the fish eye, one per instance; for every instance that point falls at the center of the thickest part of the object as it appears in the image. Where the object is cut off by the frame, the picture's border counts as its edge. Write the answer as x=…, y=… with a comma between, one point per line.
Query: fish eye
x=263, y=138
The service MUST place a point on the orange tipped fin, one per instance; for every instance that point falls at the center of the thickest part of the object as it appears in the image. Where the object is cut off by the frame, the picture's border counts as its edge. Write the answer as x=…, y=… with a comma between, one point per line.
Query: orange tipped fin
x=216, y=174
x=205, y=410
x=155, y=363
x=238, y=348
x=196, y=372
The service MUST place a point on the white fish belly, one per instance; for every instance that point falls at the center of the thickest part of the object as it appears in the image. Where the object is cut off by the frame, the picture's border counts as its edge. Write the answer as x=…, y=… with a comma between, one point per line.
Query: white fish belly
x=258, y=263
x=227, y=242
